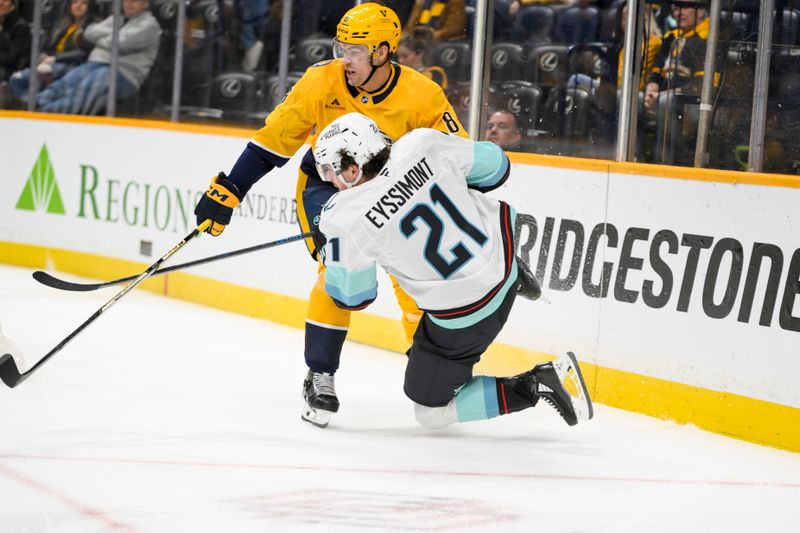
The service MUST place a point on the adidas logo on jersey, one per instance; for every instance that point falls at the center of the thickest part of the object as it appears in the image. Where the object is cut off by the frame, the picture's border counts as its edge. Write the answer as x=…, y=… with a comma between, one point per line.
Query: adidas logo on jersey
x=334, y=104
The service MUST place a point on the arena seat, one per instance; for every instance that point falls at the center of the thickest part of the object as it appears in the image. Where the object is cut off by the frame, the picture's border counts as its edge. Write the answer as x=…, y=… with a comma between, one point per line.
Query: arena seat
x=577, y=25
x=309, y=51
x=534, y=24
x=507, y=62
x=788, y=32
x=569, y=112
x=272, y=94
x=737, y=26
x=524, y=100
x=591, y=59
x=455, y=57
x=235, y=93
x=547, y=64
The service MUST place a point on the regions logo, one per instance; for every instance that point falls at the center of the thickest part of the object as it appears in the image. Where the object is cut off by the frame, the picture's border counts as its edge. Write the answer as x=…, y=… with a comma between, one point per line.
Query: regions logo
x=41, y=191
x=334, y=104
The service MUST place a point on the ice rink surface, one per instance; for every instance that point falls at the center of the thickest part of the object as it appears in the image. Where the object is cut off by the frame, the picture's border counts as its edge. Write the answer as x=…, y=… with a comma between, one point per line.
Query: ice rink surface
x=164, y=416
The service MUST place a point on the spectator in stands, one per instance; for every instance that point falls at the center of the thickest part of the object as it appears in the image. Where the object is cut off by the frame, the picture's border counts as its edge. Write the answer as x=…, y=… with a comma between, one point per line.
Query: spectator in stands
x=651, y=41
x=680, y=62
x=447, y=19
x=64, y=50
x=310, y=18
x=503, y=130
x=414, y=50
x=253, y=19
x=678, y=70
x=318, y=17
x=401, y=7
x=15, y=40
x=515, y=5
x=84, y=89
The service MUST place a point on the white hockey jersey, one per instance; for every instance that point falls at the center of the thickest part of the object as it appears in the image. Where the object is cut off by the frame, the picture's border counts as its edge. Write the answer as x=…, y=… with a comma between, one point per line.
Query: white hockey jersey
x=450, y=247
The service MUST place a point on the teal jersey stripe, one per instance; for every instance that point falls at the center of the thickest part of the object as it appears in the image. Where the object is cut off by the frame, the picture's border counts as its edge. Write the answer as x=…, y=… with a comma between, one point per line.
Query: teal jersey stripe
x=489, y=165
x=351, y=288
x=477, y=400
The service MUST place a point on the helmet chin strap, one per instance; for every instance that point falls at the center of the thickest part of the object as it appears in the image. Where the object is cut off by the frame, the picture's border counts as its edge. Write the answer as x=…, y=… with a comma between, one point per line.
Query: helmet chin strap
x=373, y=71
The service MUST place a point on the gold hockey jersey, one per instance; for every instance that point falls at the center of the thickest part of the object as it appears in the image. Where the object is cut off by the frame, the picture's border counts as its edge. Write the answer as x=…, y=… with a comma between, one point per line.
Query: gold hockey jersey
x=408, y=100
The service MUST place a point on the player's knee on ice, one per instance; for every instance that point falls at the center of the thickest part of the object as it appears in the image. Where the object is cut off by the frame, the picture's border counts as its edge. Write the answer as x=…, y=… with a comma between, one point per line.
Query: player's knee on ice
x=435, y=417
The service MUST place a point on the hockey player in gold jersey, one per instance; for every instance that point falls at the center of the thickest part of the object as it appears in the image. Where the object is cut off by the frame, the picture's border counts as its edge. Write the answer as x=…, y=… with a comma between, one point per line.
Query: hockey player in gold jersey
x=362, y=78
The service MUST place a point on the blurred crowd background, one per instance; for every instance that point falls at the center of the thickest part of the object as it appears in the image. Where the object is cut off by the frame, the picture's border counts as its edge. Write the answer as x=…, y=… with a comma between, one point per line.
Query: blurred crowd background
x=554, y=67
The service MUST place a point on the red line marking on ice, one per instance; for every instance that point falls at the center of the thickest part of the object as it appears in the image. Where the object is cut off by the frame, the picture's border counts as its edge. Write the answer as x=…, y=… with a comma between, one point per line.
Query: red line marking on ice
x=455, y=473
x=66, y=500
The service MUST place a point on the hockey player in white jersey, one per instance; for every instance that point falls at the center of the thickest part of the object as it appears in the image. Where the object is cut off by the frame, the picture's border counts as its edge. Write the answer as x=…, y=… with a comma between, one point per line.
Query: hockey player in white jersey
x=417, y=209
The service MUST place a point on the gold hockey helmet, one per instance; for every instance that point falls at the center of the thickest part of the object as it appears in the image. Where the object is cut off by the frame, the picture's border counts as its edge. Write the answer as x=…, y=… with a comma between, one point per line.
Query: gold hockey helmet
x=370, y=24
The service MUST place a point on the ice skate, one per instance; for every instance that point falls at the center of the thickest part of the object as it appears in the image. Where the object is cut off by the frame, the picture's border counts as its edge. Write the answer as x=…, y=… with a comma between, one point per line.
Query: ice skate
x=560, y=383
x=320, y=398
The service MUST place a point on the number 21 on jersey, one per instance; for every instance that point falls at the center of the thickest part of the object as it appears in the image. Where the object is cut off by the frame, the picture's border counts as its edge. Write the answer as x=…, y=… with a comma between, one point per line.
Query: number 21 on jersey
x=426, y=213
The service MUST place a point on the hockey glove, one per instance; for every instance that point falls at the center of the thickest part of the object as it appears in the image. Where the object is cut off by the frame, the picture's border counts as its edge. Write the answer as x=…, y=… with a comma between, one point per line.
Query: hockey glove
x=319, y=238
x=218, y=204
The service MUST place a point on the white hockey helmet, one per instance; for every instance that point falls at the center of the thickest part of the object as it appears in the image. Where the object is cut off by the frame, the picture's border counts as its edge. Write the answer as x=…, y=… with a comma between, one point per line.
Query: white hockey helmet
x=354, y=135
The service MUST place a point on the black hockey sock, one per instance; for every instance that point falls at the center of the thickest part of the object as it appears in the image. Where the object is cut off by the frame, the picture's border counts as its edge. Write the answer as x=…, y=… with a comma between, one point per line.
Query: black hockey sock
x=516, y=393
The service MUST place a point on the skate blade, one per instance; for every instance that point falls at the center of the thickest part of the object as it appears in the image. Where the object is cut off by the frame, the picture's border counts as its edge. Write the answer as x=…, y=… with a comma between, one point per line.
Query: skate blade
x=543, y=299
x=571, y=377
x=318, y=417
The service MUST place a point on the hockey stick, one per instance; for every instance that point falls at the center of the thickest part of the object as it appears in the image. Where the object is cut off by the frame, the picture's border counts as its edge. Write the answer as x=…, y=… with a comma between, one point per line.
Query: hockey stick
x=56, y=283
x=9, y=372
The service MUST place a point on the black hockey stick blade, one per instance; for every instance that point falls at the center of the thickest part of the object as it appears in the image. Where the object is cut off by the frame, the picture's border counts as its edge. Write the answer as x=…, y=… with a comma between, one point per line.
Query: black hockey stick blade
x=9, y=372
x=51, y=281
x=57, y=283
